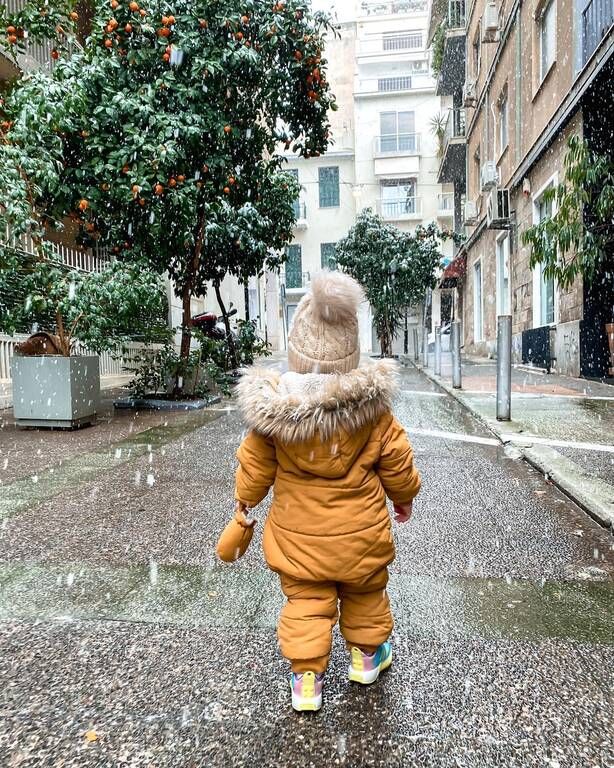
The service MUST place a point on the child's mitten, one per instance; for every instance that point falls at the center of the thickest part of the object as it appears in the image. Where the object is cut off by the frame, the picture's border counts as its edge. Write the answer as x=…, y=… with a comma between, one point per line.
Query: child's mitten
x=236, y=537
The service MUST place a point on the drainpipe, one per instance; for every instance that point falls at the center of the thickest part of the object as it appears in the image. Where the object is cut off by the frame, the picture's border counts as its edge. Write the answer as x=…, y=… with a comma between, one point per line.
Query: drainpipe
x=518, y=73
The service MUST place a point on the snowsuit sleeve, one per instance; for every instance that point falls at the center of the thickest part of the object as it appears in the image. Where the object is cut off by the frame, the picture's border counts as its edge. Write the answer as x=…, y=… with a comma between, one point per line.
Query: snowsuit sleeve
x=396, y=468
x=257, y=469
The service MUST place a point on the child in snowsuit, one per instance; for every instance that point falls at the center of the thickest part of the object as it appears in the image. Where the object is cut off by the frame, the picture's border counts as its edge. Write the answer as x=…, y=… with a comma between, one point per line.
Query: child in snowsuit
x=323, y=435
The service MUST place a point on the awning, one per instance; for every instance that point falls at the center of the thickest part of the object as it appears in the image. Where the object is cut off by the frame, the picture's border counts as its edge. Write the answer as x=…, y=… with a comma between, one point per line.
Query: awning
x=454, y=272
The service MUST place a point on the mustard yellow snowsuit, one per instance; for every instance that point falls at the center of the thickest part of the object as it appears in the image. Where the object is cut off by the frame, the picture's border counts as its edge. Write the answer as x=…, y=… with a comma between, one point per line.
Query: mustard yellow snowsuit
x=332, y=450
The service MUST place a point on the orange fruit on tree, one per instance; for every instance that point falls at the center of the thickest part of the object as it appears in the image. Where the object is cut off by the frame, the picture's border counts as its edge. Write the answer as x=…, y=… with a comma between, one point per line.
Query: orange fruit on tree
x=164, y=32
x=108, y=43
x=55, y=54
x=158, y=189
x=227, y=129
x=113, y=23
x=312, y=95
x=248, y=44
x=126, y=169
x=143, y=12
x=11, y=30
x=136, y=189
x=181, y=178
x=165, y=21
x=239, y=35
x=141, y=201
x=171, y=20
x=83, y=205
x=128, y=29
x=203, y=23
x=74, y=15
x=12, y=39
x=298, y=55
x=166, y=57
x=245, y=19
x=172, y=182
x=232, y=180
x=134, y=6
x=114, y=4
x=226, y=190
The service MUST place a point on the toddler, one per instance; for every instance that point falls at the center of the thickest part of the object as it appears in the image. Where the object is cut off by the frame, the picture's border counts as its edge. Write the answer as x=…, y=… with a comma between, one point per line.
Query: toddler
x=323, y=435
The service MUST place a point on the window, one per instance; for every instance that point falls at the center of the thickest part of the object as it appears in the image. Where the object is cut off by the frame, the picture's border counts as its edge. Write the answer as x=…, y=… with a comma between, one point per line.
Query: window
x=398, y=198
x=397, y=132
x=503, y=275
x=328, y=259
x=546, y=285
x=477, y=50
x=503, y=130
x=294, y=267
x=329, y=187
x=547, y=39
x=297, y=202
x=402, y=41
x=477, y=301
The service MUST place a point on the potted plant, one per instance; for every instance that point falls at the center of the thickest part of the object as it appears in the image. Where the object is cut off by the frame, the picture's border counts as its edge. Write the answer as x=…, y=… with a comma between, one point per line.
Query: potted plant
x=55, y=373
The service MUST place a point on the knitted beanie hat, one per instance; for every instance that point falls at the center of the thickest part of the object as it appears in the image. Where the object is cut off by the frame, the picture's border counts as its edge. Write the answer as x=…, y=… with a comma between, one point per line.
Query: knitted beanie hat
x=324, y=336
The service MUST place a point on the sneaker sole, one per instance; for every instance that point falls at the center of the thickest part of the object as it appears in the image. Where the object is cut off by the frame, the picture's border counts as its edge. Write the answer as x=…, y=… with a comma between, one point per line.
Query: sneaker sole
x=299, y=704
x=366, y=678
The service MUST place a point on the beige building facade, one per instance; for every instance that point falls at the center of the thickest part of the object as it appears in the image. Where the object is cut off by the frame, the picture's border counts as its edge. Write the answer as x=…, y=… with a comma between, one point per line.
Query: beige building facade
x=520, y=79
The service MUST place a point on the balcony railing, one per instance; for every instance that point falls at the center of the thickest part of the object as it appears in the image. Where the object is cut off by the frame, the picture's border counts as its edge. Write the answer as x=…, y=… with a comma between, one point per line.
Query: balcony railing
x=403, y=42
x=300, y=211
x=383, y=8
x=455, y=125
x=398, y=144
x=403, y=208
x=597, y=19
x=445, y=205
x=295, y=280
x=395, y=83
x=69, y=256
x=456, y=14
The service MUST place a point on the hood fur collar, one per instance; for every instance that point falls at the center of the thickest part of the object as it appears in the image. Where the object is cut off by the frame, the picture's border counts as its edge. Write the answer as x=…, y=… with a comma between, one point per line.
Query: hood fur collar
x=294, y=408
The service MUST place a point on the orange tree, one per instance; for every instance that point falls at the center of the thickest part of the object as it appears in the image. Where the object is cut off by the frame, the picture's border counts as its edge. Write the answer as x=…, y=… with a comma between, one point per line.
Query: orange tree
x=170, y=120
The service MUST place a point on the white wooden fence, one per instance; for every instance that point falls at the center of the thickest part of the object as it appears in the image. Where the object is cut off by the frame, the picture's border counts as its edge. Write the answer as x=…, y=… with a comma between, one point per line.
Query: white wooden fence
x=76, y=258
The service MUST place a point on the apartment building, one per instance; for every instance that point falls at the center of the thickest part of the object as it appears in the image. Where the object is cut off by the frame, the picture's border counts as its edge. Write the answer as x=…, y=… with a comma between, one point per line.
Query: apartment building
x=384, y=156
x=520, y=79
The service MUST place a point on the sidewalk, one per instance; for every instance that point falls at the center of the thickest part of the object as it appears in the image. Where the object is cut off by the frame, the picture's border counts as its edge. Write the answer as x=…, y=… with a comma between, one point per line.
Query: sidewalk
x=562, y=426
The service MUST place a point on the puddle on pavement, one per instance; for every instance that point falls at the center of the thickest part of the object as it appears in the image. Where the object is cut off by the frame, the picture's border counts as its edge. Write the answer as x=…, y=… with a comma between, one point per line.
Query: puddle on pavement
x=227, y=597
x=34, y=489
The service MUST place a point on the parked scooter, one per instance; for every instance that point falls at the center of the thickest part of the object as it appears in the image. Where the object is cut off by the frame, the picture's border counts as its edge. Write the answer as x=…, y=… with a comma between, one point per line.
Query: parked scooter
x=213, y=327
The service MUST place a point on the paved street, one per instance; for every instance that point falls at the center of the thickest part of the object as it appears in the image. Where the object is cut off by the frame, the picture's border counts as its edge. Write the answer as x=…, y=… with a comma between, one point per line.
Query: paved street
x=124, y=643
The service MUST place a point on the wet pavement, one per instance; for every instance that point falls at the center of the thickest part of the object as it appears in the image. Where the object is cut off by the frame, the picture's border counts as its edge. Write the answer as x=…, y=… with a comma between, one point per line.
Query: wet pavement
x=124, y=643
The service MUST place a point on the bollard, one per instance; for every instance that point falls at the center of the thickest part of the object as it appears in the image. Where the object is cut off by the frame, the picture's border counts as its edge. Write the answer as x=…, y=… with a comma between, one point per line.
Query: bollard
x=425, y=347
x=456, y=355
x=416, y=345
x=437, y=366
x=504, y=367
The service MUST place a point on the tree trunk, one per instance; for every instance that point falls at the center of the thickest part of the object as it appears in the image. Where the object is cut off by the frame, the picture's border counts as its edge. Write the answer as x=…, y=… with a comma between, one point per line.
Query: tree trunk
x=246, y=299
x=229, y=338
x=186, y=323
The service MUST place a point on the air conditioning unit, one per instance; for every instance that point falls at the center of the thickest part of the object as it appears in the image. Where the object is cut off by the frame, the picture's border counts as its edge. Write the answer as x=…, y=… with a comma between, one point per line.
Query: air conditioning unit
x=469, y=94
x=490, y=175
x=490, y=23
x=498, y=209
x=470, y=213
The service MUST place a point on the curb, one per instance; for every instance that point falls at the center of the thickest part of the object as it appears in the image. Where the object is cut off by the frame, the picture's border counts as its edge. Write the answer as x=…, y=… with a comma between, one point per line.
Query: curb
x=593, y=495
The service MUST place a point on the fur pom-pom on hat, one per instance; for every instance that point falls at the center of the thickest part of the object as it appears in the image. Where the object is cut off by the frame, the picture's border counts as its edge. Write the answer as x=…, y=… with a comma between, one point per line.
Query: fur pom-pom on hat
x=335, y=297
x=324, y=336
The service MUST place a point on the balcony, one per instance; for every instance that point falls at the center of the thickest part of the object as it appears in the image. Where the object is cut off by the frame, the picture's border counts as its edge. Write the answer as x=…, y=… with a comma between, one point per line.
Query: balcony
x=383, y=8
x=597, y=20
x=452, y=74
x=445, y=205
x=456, y=15
x=403, y=144
x=295, y=280
x=452, y=167
x=402, y=209
x=300, y=214
x=391, y=84
x=393, y=45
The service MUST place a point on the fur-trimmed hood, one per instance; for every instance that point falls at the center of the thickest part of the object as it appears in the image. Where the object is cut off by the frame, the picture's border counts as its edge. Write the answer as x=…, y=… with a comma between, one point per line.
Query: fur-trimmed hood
x=294, y=408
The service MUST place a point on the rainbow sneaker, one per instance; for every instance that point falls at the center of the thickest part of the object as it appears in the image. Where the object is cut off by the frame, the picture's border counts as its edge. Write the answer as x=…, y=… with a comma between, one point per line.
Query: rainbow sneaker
x=365, y=667
x=306, y=691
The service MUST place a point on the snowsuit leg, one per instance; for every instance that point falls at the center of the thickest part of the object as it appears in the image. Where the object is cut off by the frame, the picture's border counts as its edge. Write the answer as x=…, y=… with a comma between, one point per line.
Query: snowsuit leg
x=306, y=623
x=366, y=620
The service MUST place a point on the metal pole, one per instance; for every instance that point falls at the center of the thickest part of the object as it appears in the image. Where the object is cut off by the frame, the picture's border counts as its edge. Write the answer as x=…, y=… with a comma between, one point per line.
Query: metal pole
x=425, y=347
x=504, y=367
x=416, y=344
x=456, y=355
x=437, y=368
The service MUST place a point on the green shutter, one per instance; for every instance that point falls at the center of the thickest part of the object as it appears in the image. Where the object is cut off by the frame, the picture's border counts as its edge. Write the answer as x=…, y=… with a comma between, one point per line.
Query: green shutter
x=328, y=259
x=294, y=267
x=329, y=187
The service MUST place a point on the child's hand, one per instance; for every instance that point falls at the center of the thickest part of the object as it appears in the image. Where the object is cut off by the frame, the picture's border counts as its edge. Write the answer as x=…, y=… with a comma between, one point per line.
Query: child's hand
x=250, y=521
x=402, y=512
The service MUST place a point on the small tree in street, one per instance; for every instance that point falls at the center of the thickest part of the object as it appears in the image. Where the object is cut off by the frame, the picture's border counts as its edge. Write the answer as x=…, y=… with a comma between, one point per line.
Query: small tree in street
x=580, y=233
x=167, y=126
x=394, y=267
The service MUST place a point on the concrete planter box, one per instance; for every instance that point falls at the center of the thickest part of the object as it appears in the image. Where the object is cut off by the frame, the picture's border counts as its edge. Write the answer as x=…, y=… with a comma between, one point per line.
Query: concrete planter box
x=54, y=391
